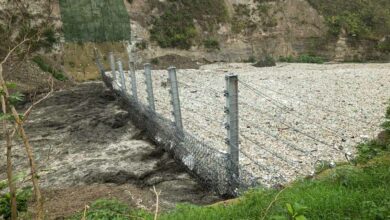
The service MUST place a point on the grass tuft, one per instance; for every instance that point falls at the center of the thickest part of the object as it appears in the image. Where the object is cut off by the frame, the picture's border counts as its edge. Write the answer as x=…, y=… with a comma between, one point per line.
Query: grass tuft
x=57, y=74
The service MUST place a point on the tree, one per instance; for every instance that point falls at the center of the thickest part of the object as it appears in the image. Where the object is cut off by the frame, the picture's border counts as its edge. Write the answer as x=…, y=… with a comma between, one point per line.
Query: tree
x=22, y=33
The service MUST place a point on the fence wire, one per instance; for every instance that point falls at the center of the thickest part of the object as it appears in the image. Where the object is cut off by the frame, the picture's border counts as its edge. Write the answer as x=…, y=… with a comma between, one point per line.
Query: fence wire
x=213, y=167
x=201, y=159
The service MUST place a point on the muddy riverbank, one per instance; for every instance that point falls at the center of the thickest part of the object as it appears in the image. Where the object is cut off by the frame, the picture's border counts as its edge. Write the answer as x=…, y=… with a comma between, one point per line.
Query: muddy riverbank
x=87, y=149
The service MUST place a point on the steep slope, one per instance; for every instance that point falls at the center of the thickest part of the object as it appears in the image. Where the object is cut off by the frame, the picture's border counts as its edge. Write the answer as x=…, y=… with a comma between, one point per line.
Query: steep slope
x=238, y=30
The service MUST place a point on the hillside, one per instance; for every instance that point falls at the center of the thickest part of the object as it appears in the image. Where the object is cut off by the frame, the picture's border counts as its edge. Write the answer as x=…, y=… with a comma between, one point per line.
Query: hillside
x=205, y=31
x=236, y=30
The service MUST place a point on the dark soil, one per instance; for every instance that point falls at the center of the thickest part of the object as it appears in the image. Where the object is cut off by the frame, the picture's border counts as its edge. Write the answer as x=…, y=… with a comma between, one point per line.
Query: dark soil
x=87, y=149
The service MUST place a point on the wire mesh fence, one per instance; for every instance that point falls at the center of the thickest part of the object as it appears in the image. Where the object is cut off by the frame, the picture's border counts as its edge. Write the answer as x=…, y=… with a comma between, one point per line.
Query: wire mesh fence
x=211, y=166
x=275, y=142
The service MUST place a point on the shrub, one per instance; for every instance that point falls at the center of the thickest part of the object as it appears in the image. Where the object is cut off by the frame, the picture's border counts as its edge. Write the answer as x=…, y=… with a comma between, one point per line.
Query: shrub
x=211, y=44
x=22, y=197
x=267, y=61
x=288, y=59
x=369, y=19
x=174, y=29
x=155, y=61
x=384, y=46
x=302, y=59
x=310, y=59
x=371, y=149
x=379, y=146
x=57, y=74
x=251, y=59
x=141, y=45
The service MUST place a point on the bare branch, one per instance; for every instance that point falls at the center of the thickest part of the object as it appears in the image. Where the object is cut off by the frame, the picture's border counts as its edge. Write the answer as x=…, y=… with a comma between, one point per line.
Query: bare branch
x=272, y=202
x=13, y=49
x=28, y=111
x=157, y=202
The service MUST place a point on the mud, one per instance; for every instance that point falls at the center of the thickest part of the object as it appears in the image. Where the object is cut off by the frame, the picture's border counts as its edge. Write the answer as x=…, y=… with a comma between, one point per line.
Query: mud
x=87, y=148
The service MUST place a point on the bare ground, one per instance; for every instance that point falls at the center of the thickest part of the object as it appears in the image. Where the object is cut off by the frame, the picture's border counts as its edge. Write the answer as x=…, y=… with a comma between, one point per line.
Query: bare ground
x=87, y=149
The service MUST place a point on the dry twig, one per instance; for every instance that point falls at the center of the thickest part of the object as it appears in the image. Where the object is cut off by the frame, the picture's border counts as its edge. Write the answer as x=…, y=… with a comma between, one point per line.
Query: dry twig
x=273, y=201
x=157, y=202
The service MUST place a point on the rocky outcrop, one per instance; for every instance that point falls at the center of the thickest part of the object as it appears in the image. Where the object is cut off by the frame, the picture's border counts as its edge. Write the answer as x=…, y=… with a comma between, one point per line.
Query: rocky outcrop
x=278, y=28
x=294, y=25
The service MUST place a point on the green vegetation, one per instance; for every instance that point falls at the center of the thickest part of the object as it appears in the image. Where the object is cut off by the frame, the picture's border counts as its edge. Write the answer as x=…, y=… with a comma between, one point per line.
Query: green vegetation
x=142, y=45
x=361, y=19
x=106, y=209
x=359, y=190
x=267, y=61
x=302, y=59
x=384, y=46
x=378, y=147
x=241, y=20
x=211, y=44
x=175, y=28
x=57, y=74
x=155, y=61
x=95, y=21
x=22, y=197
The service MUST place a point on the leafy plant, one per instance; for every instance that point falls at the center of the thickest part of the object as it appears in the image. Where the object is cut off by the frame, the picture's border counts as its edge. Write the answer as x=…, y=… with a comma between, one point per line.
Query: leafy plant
x=369, y=19
x=16, y=98
x=372, y=210
x=22, y=197
x=371, y=149
x=105, y=209
x=211, y=44
x=295, y=212
x=175, y=28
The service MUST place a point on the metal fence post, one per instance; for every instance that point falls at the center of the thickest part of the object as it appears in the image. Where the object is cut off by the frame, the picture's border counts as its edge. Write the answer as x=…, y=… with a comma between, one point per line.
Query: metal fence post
x=175, y=97
x=149, y=85
x=232, y=127
x=112, y=64
x=133, y=80
x=98, y=63
x=122, y=75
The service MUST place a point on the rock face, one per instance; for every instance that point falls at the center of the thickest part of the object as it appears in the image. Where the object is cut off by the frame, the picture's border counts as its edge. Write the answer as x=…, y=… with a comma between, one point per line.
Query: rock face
x=277, y=28
x=294, y=25
x=271, y=28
